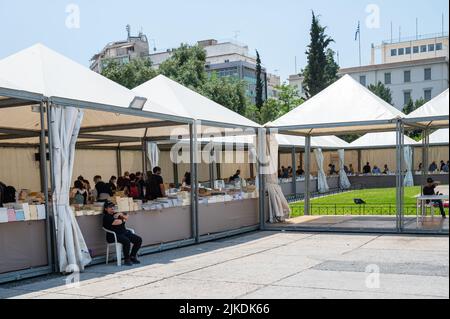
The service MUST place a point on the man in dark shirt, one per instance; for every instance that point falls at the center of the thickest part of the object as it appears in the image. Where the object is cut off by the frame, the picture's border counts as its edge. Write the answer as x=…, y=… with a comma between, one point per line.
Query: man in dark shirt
x=104, y=190
x=429, y=190
x=116, y=223
x=155, y=185
x=367, y=169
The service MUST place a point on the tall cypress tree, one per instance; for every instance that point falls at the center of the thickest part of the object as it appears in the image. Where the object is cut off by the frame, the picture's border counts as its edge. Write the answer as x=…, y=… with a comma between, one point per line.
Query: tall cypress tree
x=321, y=70
x=259, y=83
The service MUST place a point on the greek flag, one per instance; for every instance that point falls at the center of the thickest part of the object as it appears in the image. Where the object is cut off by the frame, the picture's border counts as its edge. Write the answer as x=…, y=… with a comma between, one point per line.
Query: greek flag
x=358, y=31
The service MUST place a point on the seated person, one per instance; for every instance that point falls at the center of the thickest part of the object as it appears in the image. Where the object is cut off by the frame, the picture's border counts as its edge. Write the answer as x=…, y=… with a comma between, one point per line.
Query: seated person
x=116, y=223
x=386, y=169
x=351, y=170
x=376, y=170
x=236, y=176
x=433, y=167
x=429, y=190
x=300, y=171
x=367, y=169
x=332, y=170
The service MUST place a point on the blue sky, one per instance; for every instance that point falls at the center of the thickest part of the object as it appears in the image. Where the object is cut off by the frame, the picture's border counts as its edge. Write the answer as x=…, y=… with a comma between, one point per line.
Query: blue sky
x=279, y=29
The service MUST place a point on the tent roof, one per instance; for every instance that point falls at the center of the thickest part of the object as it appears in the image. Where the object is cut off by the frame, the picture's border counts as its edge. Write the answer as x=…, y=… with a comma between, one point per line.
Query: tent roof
x=377, y=140
x=37, y=72
x=344, y=106
x=437, y=107
x=332, y=142
x=187, y=103
x=440, y=137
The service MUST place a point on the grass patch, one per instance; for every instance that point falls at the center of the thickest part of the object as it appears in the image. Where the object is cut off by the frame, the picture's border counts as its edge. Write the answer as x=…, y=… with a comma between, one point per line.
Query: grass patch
x=380, y=201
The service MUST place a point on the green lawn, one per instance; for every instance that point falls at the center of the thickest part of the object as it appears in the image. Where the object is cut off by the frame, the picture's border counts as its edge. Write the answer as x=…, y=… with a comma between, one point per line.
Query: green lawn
x=379, y=202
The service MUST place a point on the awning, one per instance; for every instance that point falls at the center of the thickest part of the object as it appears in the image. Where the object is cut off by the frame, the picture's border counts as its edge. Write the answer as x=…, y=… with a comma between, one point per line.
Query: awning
x=380, y=140
x=435, y=113
x=344, y=107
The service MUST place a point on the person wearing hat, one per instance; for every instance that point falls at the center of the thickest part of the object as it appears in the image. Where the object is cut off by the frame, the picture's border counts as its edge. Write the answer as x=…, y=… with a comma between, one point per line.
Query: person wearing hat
x=116, y=223
x=429, y=190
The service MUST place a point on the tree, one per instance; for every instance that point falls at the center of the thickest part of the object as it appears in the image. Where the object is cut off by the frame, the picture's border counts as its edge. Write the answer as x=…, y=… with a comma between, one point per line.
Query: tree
x=381, y=91
x=227, y=91
x=273, y=108
x=321, y=69
x=131, y=74
x=259, y=82
x=186, y=66
x=409, y=108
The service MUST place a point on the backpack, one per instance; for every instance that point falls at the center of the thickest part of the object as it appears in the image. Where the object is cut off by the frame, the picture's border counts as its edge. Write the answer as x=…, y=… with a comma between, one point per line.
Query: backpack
x=134, y=190
x=79, y=199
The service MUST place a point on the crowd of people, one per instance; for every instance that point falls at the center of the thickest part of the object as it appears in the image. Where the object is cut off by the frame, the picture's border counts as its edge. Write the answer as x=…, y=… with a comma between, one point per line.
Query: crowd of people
x=287, y=172
x=135, y=185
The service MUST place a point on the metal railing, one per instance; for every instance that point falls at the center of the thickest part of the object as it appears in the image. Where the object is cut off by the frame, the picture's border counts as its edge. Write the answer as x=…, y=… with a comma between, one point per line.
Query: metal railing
x=359, y=210
x=293, y=198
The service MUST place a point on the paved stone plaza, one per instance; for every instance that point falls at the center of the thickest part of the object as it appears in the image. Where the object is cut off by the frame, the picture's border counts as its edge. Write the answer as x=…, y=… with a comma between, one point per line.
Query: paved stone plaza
x=268, y=265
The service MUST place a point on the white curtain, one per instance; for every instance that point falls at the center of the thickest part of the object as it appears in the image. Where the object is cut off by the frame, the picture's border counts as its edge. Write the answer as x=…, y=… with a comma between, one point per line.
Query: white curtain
x=153, y=154
x=409, y=178
x=321, y=178
x=73, y=254
x=344, y=182
x=278, y=206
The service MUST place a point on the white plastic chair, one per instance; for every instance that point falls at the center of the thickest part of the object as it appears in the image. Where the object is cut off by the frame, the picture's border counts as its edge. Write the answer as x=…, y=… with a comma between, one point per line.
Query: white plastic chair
x=117, y=245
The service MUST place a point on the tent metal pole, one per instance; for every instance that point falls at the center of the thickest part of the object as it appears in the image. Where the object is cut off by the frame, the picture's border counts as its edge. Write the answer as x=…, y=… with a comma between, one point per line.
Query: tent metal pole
x=194, y=181
x=51, y=211
x=307, y=174
x=399, y=176
x=261, y=159
x=294, y=172
x=402, y=176
x=119, y=161
x=175, y=171
x=44, y=179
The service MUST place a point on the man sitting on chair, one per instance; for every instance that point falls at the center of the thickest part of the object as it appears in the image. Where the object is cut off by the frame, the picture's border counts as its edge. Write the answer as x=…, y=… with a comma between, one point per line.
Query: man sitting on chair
x=428, y=190
x=116, y=223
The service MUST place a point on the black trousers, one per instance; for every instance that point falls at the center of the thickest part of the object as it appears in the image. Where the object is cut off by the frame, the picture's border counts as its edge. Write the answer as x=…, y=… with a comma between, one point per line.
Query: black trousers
x=441, y=206
x=126, y=240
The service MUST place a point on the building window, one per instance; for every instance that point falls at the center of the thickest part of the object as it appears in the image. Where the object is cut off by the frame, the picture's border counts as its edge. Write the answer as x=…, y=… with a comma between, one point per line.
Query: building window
x=431, y=47
x=427, y=94
x=407, y=50
x=407, y=76
x=415, y=49
x=227, y=61
x=362, y=80
x=406, y=97
x=393, y=52
x=401, y=51
x=438, y=46
x=423, y=48
x=387, y=78
x=427, y=74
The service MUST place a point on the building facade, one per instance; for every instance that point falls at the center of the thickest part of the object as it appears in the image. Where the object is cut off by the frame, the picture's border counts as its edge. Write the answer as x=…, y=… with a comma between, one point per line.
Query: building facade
x=121, y=51
x=296, y=81
x=233, y=60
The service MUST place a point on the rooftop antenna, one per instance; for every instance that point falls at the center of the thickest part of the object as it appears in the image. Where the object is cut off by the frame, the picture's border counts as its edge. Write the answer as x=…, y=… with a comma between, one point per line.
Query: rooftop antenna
x=128, y=30
x=400, y=34
x=337, y=56
x=443, y=28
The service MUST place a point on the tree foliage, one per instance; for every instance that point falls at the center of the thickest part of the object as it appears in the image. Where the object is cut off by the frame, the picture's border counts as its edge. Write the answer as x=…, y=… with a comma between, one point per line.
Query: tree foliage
x=259, y=82
x=227, y=91
x=131, y=74
x=381, y=91
x=273, y=108
x=321, y=70
x=186, y=66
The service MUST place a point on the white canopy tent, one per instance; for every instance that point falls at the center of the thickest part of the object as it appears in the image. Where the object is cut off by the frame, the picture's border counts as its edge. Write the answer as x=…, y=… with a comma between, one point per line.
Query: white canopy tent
x=344, y=107
x=380, y=140
x=40, y=77
x=440, y=137
x=434, y=113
